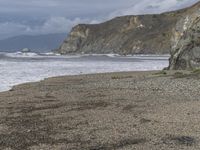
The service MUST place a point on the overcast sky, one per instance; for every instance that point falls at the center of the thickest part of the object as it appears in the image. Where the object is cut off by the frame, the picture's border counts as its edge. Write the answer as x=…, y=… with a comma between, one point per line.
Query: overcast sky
x=34, y=17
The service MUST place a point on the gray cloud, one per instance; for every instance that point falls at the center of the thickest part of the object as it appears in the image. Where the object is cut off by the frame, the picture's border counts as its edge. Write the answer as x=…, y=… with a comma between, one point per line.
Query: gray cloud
x=51, y=25
x=55, y=16
x=60, y=7
x=151, y=7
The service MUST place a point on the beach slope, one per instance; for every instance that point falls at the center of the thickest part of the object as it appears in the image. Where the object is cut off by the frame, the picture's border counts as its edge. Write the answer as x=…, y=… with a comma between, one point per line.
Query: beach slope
x=133, y=110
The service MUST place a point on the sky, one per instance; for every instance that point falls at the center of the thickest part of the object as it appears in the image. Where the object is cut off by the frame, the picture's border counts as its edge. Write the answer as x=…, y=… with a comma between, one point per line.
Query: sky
x=34, y=17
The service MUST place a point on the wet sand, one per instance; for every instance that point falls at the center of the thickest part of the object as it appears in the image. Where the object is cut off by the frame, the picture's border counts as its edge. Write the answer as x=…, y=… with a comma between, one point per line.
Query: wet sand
x=124, y=111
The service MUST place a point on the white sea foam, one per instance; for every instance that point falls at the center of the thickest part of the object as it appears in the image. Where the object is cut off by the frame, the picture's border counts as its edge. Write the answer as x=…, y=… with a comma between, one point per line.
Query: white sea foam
x=17, y=68
x=20, y=54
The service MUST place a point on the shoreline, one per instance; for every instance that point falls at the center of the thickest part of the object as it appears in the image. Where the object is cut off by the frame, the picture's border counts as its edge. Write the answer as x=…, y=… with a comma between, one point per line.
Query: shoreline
x=124, y=110
x=17, y=69
x=82, y=74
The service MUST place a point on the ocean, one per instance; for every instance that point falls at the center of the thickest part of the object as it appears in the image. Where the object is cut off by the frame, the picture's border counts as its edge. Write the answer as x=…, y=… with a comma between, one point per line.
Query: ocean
x=17, y=68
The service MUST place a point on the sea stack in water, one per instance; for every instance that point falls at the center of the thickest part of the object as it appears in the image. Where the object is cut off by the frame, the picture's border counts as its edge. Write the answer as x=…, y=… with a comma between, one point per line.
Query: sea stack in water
x=25, y=50
x=185, y=52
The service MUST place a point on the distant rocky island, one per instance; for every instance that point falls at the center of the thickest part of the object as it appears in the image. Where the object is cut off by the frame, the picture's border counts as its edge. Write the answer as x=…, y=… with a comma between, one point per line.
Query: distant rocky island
x=141, y=34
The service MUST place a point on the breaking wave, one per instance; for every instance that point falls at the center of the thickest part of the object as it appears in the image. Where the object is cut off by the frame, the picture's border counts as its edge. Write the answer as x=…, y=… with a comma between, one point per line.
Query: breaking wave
x=17, y=68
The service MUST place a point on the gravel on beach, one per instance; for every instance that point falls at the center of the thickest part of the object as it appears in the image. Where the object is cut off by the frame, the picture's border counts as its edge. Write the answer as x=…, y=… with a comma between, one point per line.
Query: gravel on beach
x=124, y=111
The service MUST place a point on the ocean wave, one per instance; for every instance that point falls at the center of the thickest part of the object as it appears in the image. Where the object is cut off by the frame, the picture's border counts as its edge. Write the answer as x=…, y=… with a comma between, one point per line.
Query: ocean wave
x=17, y=70
x=56, y=55
x=19, y=54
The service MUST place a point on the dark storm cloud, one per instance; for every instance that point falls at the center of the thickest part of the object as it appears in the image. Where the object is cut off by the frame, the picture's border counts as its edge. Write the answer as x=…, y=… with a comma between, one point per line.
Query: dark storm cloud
x=53, y=16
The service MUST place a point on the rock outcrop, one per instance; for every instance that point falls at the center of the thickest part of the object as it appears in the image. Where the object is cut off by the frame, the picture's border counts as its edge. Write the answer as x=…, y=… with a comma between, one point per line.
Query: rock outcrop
x=185, y=52
x=142, y=34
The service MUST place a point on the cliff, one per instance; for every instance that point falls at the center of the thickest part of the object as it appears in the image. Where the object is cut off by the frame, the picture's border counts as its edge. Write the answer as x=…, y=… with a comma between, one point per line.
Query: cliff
x=185, y=52
x=141, y=34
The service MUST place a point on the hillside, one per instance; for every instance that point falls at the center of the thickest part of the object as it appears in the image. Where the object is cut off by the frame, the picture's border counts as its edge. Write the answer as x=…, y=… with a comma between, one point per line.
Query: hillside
x=141, y=34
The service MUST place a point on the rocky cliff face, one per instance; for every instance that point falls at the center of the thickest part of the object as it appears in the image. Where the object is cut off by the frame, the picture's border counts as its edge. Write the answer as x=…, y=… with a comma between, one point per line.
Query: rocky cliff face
x=122, y=35
x=185, y=52
x=143, y=34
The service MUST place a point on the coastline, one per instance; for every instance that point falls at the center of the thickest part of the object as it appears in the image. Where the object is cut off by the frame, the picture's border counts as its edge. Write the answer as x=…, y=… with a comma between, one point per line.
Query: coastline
x=18, y=68
x=125, y=110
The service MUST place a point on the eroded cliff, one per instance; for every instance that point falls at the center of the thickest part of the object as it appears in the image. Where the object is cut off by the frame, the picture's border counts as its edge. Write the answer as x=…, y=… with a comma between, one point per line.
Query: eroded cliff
x=142, y=34
x=185, y=52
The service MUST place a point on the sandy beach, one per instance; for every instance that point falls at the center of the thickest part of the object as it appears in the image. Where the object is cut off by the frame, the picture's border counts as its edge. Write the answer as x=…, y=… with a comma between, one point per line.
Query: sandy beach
x=124, y=111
